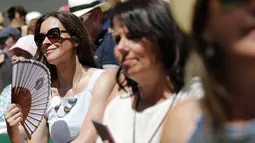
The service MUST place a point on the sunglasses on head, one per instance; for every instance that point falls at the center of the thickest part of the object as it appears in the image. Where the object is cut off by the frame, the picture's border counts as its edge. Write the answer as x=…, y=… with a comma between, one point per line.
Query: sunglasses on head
x=53, y=35
x=231, y=4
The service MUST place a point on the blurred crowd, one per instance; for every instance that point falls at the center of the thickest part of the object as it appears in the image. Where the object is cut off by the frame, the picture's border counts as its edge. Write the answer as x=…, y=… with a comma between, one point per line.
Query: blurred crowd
x=135, y=71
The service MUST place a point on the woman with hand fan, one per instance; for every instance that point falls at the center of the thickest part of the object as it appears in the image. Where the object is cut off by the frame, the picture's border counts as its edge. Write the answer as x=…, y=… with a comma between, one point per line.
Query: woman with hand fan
x=79, y=91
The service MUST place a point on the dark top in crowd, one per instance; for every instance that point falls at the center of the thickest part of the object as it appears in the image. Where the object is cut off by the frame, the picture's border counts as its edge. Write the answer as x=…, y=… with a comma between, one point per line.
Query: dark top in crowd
x=104, y=55
x=5, y=72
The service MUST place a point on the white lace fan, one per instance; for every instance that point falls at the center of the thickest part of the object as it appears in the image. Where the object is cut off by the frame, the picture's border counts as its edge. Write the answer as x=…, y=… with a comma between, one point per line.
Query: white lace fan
x=31, y=91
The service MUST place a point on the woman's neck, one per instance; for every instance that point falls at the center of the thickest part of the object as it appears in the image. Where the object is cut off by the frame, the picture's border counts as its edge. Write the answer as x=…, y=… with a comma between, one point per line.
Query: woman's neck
x=69, y=73
x=243, y=105
x=153, y=92
x=16, y=24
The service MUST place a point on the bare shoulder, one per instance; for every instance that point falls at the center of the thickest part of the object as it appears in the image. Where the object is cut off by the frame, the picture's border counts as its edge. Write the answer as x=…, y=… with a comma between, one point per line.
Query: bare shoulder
x=181, y=122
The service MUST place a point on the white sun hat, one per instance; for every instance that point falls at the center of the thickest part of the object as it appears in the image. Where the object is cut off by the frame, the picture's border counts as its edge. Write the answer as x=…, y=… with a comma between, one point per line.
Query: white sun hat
x=81, y=7
x=32, y=15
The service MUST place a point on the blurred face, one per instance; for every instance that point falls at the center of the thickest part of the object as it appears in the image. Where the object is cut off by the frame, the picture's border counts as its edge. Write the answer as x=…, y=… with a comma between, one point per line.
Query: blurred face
x=9, y=42
x=93, y=22
x=136, y=55
x=232, y=26
x=17, y=54
x=56, y=43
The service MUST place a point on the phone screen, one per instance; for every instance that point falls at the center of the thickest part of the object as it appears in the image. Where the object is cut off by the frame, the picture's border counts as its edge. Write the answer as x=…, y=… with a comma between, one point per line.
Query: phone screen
x=103, y=131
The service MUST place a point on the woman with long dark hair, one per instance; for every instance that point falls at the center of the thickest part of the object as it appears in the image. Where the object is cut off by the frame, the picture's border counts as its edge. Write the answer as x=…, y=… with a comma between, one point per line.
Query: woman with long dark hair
x=152, y=61
x=79, y=90
x=223, y=34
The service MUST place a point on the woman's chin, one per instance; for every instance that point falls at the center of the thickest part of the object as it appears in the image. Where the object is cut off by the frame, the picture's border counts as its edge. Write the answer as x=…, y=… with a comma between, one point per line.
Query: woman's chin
x=51, y=60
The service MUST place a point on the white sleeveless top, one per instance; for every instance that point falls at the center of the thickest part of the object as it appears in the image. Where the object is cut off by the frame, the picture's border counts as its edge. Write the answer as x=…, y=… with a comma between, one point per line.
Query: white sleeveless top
x=65, y=116
x=119, y=116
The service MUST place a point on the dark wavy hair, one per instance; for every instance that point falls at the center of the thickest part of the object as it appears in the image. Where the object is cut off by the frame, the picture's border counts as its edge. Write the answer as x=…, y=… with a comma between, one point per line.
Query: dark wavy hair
x=77, y=31
x=152, y=17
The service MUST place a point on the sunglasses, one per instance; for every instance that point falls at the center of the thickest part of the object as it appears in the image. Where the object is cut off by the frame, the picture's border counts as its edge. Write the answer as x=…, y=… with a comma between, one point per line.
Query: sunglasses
x=232, y=4
x=53, y=35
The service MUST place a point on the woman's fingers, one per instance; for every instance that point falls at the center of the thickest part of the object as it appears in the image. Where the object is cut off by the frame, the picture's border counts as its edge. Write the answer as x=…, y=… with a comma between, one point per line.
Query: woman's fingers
x=13, y=115
x=12, y=110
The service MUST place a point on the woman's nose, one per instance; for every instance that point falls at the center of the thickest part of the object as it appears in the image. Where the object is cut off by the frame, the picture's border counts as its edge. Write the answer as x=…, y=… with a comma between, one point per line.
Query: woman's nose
x=46, y=41
x=122, y=46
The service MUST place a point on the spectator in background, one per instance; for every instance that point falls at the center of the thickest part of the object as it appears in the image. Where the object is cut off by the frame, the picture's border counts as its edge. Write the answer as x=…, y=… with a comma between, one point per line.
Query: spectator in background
x=31, y=19
x=2, y=20
x=16, y=15
x=5, y=70
x=64, y=8
x=34, y=15
x=96, y=19
x=8, y=37
x=25, y=48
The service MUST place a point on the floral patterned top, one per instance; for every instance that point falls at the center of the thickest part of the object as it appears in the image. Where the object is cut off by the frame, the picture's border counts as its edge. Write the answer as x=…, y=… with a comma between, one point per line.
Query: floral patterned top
x=5, y=101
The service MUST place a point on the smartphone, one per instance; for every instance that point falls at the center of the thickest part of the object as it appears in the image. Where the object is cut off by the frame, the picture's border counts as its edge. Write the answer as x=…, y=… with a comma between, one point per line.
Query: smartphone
x=103, y=131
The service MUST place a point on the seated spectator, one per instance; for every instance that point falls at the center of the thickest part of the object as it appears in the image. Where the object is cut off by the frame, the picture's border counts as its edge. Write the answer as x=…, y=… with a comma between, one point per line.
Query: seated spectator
x=25, y=48
x=31, y=19
x=152, y=60
x=96, y=19
x=65, y=48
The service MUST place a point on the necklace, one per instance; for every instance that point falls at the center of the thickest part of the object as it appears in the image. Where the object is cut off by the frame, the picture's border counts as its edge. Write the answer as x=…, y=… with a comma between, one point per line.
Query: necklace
x=161, y=122
x=62, y=110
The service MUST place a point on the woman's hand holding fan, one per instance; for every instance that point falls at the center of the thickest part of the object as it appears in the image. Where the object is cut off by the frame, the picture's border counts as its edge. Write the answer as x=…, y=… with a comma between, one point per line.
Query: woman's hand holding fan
x=30, y=95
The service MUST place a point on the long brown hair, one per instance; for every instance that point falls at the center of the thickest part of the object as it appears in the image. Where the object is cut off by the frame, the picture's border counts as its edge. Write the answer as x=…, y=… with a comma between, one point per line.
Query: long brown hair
x=75, y=28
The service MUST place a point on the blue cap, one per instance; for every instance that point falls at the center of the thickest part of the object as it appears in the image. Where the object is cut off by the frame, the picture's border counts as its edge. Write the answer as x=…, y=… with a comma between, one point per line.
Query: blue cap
x=8, y=31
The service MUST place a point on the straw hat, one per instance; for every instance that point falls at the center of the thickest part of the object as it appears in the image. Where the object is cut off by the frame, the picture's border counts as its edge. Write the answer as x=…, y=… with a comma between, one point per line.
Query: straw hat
x=183, y=12
x=81, y=7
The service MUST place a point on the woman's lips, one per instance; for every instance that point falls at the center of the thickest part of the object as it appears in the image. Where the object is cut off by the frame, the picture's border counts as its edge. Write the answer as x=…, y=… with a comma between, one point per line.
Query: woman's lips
x=127, y=62
x=49, y=51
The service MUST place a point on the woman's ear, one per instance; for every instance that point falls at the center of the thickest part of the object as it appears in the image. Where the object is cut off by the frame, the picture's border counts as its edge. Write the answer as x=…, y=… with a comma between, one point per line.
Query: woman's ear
x=76, y=41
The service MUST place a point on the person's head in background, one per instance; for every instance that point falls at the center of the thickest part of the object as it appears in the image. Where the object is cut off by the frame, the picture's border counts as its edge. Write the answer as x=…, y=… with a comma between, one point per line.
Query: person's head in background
x=8, y=37
x=224, y=37
x=91, y=15
x=61, y=37
x=31, y=19
x=114, y=2
x=2, y=20
x=64, y=8
x=16, y=15
x=147, y=43
x=25, y=48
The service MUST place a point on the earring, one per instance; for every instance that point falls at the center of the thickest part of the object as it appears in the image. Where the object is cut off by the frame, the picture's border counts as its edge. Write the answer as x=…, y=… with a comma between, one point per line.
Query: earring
x=210, y=51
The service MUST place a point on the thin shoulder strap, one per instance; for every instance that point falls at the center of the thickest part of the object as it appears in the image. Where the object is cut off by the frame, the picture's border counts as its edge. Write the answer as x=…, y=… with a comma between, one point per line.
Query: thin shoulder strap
x=93, y=79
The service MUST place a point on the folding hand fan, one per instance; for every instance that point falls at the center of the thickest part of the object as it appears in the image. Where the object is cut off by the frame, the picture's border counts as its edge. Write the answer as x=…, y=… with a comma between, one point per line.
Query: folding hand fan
x=31, y=91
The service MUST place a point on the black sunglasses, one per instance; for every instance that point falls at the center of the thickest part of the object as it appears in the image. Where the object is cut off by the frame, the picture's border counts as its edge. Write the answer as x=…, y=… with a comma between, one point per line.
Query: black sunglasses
x=231, y=4
x=53, y=35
